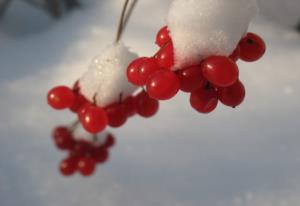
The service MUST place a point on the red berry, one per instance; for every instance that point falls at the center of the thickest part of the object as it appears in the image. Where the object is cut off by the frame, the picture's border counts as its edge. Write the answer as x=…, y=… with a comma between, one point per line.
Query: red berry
x=235, y=54
x=80, y=100
x=94, y=120
x=219, y=70
x=86, y=166
x=81, y=148
x=165, y=56
x=140, y=69
x=204, y=100
x=191, y=78
x=100, y=154
x=61, y=97
x=163, y=85
x=130, y=106
x=163, y=36
x=109, y=142
x=116, y=114
x=68, y=166
x=63, y=138
x=82, y=110
x=146, y=106
x=252, y=47
x=232, y=96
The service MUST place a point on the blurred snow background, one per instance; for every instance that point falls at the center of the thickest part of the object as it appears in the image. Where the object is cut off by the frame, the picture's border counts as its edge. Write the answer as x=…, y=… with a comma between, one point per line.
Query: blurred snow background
x=248, y=156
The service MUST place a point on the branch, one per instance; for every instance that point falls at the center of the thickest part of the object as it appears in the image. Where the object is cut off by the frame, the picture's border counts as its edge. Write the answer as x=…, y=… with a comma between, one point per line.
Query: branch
x=120, y=27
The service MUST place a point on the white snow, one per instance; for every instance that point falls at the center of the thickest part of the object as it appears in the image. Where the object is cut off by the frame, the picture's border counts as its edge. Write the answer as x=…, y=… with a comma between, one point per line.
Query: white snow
x=106, y=78
x=244, y=157
x=204, y=28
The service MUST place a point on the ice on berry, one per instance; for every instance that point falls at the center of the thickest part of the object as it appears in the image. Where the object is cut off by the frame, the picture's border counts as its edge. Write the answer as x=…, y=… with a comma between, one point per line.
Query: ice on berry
x=201, y=28
x=106, y=78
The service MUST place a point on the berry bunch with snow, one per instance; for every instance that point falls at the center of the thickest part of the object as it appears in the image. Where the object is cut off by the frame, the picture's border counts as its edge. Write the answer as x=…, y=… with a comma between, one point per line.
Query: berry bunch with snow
x=198, y=52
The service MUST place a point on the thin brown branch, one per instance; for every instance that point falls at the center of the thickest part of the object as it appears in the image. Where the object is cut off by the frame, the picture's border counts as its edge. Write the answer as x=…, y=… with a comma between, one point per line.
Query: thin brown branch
x=129, y=13
x=120, y=26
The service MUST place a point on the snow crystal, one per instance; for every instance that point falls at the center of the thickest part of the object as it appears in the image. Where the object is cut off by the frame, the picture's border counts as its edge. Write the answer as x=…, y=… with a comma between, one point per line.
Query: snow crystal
x=106, y=78
x=200, y=28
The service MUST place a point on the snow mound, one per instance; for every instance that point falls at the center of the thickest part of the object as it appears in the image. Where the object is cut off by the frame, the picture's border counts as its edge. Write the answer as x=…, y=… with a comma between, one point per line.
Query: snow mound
x=200, y=28
x=106, y=78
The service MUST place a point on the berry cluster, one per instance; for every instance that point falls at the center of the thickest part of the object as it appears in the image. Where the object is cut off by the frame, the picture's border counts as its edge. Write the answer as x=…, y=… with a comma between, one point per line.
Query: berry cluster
x=83, y=155
x=214, y=79
x=95, y=119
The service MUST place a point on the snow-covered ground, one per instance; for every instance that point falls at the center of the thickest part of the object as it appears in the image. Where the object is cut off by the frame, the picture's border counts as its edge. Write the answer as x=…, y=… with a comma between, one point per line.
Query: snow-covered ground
x=244, y=157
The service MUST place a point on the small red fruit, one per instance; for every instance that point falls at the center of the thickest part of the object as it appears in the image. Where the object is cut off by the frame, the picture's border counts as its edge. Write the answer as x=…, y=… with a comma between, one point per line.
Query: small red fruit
x=130, y=106
x=204, y=100
x=140, y=69
x=232, y=96
x=163, y=85
x=191, y=78
x=165, y=56
x=220, y=70
x=63, y=138
x=163, y=36
x=61, y=97
x=116, y=114
x=252, y=47
x=68, y=166
x=146, y=106
x=94, y=120
x=86, y=166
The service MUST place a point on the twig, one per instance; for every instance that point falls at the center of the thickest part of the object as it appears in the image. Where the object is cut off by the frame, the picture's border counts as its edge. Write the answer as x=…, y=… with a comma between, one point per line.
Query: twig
x=128, y=15
x=120, y=26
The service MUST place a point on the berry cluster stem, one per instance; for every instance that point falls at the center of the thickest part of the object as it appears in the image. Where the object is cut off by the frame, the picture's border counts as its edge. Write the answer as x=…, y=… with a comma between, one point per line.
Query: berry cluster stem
x=124, y=18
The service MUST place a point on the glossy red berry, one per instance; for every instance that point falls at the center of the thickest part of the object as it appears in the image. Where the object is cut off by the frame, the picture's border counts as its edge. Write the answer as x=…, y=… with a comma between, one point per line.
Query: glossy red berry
x=68, y=166
x=86, y=166
x=235, y=54
x=146, y=106
x=130, y=106
x=204, y=100
x=163, y=85
x=191, y=78
x=82, y=110
x=94, y=120
x=163, y=36
x=140, y=69
x=232, y=96
x=252, y=47
x=116, y=114
x=63, y=138
x=165, y=56
x=219, y=70
x=61, y=97
x=79, y=101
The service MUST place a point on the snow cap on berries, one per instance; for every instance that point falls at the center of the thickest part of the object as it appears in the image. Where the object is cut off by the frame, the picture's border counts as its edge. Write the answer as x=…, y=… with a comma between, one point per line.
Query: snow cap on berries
x=201, y=28
x=106, y=77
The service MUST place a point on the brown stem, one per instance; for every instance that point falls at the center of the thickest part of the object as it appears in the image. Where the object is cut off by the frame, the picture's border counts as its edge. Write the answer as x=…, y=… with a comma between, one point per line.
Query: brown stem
x=129, y=13
x=124, y=19
x=120, y=27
